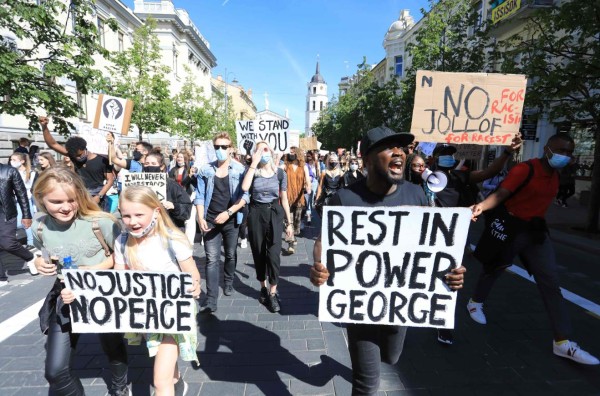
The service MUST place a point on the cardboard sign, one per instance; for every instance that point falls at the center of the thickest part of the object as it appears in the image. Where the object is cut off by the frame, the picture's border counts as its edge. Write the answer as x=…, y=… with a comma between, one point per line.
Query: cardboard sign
x=274, y=132
x=468, y=108
x=387, y=264
x=309, y=143
x=130, y=301
x=95, y=138
x=156, y=181
x=468, y=151
x=113, y=114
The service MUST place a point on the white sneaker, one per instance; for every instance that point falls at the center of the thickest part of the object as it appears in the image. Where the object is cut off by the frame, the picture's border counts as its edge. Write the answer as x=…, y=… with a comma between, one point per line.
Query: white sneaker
x=3, y=283
x=32, y=269
x=571, y=350
x=244, y=243
x=476, y=312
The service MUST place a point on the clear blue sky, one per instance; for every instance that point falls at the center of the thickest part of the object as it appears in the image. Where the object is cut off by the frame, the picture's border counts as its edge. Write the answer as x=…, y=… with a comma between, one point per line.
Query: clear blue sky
x=272, y=45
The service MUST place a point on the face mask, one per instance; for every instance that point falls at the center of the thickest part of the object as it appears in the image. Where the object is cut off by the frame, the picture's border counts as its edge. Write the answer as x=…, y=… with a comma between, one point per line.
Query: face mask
x=265, y=159
x=353, y=167
x=249, y=161
x=221, y=154
x=137, y=155
x=180, y=164
x=333, y=165
x=15, y=164
x=152, y=169
x=291, y=157
x=146, y=230
x=82, y=159
x=558, y=161
x=446, y=161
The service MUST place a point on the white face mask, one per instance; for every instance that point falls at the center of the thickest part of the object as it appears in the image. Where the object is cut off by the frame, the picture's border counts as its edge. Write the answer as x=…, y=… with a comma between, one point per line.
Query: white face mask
x=353, y=167
x=16, y=164
x=146, y=230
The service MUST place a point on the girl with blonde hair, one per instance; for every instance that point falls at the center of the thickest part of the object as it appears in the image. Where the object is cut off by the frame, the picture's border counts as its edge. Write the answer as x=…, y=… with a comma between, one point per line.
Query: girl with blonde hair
x=154, y=243
x=73, y=226
x=267, y=185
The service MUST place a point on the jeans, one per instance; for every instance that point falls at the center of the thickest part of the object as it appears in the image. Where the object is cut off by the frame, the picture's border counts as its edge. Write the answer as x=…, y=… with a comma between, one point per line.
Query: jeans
x=369, y=345
x=28, y=231
x=60, y=350
x=9, y=243
x=540, y=261
x=226, y=234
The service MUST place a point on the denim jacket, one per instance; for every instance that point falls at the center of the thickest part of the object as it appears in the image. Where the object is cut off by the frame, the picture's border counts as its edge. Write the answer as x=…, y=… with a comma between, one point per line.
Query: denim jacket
x=206, y=185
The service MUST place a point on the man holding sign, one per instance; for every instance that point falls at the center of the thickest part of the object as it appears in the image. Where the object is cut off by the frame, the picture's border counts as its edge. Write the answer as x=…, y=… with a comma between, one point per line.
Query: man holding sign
x=384, y=186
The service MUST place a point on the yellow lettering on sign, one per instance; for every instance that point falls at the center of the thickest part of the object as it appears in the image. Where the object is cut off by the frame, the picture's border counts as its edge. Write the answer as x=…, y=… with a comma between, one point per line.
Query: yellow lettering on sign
x=505, y=10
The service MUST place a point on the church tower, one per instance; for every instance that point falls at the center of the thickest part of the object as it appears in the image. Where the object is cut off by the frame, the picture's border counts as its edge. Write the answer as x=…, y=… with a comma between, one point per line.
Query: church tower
x=316, y=100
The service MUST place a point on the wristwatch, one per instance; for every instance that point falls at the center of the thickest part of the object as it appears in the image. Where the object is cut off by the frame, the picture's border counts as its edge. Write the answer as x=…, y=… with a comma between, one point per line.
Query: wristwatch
x=229, y=212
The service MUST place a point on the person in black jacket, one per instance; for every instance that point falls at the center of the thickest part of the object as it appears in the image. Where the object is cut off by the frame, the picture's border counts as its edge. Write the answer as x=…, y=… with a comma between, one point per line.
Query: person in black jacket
x=181, y=173
x=178, y=203
x=12, y=185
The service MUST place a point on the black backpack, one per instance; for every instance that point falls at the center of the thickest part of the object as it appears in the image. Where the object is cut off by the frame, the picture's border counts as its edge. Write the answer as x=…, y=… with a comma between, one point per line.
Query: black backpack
x=468, y=192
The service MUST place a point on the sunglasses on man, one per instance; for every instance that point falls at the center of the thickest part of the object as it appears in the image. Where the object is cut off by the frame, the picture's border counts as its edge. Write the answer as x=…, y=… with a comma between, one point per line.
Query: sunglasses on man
x=221, y=146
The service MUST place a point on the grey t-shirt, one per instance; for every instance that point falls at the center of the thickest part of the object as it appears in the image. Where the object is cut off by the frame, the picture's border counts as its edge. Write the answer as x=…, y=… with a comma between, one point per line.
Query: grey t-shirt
x=266, y=189
x=76, y=239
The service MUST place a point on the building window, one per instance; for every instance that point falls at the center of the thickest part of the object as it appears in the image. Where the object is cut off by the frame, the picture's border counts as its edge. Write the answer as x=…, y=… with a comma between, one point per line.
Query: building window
x=175, y=56
x=479, y=14
x=321, y=106
x=314, y=90
x=307, y=105
x=314, y=104
x=398, y=69
x=101, y=32
x=121, y=44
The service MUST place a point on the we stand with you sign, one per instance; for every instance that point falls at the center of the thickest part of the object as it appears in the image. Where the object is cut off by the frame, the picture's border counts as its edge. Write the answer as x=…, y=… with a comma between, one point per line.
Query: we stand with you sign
x=388, y=265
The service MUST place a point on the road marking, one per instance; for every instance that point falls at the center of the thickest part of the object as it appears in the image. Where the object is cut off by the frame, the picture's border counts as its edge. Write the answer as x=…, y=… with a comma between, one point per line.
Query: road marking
x=17, y=322
x=569, y=296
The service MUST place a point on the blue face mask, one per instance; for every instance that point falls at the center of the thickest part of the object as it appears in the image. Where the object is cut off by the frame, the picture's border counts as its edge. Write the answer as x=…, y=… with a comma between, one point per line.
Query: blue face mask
x=558, y=161
x=265, y=159
x=446, y=161
x=221, y=154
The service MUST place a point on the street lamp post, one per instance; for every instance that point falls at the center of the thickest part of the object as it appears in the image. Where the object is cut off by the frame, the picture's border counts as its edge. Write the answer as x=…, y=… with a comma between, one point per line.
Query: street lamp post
x=227, y=97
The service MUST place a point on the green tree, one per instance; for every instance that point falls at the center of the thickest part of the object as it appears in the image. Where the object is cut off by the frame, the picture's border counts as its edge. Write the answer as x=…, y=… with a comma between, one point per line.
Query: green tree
x=55, y=50
x=365, y=105
x=138, y=74
x=193, y=115
x=560, y=53
x=223, y=114
x=451, y=38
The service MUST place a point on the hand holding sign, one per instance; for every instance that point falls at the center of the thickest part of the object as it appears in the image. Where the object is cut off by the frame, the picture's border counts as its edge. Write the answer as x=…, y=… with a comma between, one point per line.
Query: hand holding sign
x=318, y=274
x=67, y=295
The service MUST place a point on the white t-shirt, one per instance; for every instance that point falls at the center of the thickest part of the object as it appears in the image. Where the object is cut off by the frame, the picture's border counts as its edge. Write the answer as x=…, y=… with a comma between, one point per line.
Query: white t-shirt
x=154, y=256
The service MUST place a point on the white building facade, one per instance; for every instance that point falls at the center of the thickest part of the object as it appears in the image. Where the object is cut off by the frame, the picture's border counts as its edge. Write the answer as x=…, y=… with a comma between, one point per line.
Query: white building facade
x=316, y=101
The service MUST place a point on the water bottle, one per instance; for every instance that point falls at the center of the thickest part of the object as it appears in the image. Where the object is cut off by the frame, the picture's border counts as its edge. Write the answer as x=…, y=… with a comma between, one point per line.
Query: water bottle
x=74, y=265
x=67, y=263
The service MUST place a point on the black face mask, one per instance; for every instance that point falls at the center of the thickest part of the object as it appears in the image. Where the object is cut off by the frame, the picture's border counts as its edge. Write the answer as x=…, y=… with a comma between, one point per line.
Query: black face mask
x=152, y=169
x=291, y=157
x=137, y=155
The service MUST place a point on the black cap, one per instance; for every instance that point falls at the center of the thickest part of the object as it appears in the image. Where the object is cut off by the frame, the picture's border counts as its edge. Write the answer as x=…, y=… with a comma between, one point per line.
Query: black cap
x=444, y=148
x=381, y=135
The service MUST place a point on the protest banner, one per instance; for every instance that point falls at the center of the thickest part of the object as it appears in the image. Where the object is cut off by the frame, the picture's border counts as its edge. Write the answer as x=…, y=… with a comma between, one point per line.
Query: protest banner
x=274, y=132
x=468, y=151
x=468, y=108
x=387, y=264
x=113, y=114
x=95, y=138
x=130, y=301
x=156, y=181
x=426, y=148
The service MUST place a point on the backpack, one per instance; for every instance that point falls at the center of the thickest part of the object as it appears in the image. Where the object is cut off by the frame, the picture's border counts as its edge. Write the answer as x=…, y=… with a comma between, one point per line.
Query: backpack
x=95, y=228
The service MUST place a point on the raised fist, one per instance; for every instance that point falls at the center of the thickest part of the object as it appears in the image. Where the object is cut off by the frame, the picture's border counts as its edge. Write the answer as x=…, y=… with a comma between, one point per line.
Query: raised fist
x=248, y=144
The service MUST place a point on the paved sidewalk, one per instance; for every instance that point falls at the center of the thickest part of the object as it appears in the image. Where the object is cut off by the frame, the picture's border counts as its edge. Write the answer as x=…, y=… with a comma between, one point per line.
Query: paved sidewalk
x=246, y=350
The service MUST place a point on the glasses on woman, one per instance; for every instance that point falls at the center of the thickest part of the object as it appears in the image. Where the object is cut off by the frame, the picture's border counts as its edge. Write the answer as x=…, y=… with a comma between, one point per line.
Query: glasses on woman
x=221, y=146
x=417, y=166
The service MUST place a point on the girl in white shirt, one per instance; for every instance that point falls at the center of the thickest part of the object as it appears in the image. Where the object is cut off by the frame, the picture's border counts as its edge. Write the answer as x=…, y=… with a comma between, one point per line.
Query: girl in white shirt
x=154, y=243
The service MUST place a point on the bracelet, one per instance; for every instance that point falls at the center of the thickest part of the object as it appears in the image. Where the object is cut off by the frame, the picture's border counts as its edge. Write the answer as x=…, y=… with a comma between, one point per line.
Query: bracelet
x=252, y=167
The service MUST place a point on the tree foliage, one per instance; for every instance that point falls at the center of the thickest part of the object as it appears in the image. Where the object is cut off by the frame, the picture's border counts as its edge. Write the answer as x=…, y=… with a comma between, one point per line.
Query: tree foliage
x=365, y=105
x=59, y=45
x=139, y=75
x=560, y=53
x=451, y=39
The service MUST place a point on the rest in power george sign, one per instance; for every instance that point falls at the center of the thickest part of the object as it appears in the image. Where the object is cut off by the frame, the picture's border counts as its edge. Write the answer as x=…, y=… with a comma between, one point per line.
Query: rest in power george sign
x=387, y=265
x=468, y=108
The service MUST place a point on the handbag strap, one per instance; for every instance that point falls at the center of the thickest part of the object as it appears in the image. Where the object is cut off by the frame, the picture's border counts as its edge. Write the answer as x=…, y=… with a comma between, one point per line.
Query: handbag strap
x=524, y=183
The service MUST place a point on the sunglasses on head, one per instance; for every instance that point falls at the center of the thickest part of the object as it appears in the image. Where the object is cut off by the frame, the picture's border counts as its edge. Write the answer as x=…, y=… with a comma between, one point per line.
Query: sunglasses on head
x=221, y=146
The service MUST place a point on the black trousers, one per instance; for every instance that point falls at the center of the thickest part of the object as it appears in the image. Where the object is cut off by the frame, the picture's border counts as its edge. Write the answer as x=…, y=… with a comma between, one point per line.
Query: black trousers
x=9, y=243
x=265, y=226
x=60, y=350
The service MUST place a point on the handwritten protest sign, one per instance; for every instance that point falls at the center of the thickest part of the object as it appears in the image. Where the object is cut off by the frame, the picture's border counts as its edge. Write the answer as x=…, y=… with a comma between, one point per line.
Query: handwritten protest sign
x=469, y=108
x=130, y=301
x=469, y=151
x=387, y=265
x=274, y=132
x=426, y=148
x=309, y=143
x=113, y=114
x=156, y=181
x=95, y=139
